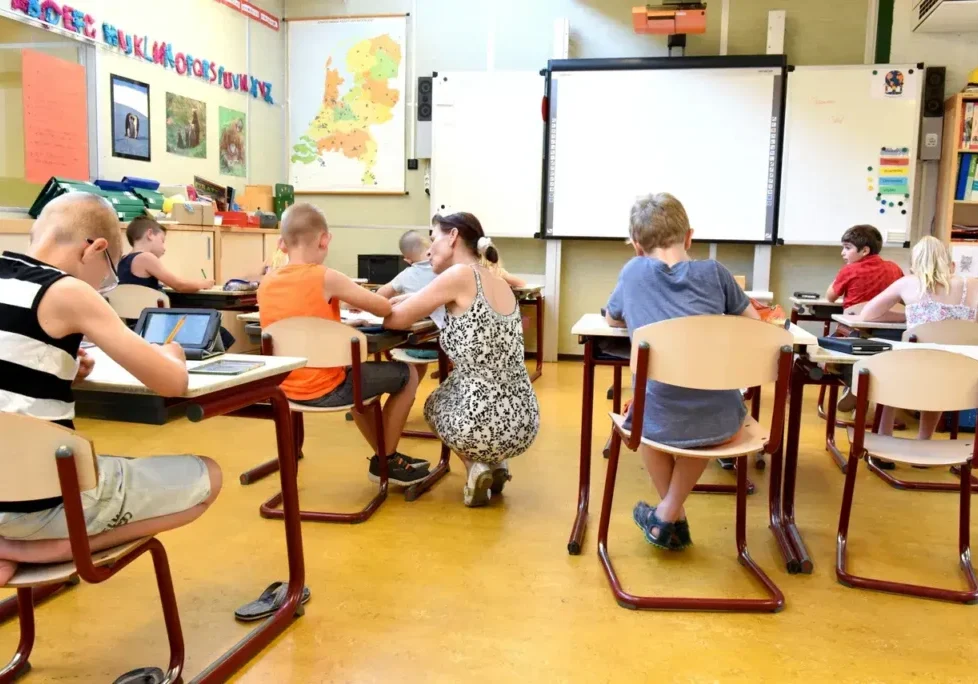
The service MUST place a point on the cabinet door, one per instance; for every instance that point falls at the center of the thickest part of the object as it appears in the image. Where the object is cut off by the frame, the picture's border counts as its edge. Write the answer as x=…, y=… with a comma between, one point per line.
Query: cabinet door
x=190, y=254
x=15, y=242
x=242, y=256
x=271, y=245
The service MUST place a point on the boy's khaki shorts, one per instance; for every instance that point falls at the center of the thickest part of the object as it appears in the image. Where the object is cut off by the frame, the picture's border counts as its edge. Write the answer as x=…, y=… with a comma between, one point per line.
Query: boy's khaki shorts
x=128, y=490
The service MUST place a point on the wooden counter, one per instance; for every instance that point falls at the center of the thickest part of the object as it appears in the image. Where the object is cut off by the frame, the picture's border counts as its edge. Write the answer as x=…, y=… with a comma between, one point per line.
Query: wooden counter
x=217, y=252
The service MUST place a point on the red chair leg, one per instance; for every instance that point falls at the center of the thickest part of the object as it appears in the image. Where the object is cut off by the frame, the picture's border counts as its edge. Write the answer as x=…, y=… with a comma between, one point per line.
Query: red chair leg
x=964, y=550
x=270, y=509
x=755, y=412
x=9, y=607
x=773, y=603
x=440, y=470
x=19, y=665
x=171, y=616
x=918, y=486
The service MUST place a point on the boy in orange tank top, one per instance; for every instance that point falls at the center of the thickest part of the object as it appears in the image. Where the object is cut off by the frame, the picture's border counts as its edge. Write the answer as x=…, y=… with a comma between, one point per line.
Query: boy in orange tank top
x=305, y=287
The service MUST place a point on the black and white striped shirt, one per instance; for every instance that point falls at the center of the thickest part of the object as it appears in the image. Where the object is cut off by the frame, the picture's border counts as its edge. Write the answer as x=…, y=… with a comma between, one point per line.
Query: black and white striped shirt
x=36, y=370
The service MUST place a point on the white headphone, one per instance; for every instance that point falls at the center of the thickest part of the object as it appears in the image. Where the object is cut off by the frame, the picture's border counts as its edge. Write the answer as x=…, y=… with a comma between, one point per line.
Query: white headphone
x=483, y=245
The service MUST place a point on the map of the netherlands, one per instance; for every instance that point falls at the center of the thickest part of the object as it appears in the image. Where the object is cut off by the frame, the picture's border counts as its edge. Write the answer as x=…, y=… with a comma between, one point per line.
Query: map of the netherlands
x=343, y=123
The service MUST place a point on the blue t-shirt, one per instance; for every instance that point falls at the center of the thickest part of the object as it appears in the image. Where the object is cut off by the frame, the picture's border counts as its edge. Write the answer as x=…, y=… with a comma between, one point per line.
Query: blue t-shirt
x=649, y=291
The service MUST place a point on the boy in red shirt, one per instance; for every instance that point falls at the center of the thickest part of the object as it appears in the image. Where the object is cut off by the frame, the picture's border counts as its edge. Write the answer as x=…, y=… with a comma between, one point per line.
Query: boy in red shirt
x=865, y=274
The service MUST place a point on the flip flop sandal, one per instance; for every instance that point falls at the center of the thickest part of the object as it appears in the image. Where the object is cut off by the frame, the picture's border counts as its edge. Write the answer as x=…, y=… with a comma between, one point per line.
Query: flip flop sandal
x=268, y=603
x=143, y=675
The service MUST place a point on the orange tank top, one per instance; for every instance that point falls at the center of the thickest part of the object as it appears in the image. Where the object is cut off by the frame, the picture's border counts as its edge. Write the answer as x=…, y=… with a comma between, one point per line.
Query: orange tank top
x=297, y=290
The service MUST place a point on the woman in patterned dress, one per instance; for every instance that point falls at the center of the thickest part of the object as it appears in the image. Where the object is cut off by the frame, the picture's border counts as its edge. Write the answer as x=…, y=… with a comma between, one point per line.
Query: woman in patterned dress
x=486, y=410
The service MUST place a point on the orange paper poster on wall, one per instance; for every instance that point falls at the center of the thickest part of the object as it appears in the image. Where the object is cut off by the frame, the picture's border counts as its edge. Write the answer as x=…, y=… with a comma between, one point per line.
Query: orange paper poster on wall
x=55, y=118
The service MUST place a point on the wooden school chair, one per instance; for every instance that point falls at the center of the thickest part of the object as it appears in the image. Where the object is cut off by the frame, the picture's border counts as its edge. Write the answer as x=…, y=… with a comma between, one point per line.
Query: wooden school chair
x=130, y=300
x=42, y=460
x=939, y=332
x=710, y=353
x=326, y=344
x=923, y=379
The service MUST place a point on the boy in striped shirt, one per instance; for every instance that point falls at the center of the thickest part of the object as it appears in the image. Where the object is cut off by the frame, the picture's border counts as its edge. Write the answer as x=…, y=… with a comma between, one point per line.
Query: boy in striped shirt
x=49, y=299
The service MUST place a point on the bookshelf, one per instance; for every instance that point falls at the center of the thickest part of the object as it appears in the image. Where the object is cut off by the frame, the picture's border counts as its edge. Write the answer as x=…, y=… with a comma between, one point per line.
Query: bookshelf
x=950, y=210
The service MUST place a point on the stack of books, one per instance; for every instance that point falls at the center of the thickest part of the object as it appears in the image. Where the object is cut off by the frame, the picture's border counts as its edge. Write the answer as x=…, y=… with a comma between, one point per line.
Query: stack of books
x=967, y=188
x=969, y=131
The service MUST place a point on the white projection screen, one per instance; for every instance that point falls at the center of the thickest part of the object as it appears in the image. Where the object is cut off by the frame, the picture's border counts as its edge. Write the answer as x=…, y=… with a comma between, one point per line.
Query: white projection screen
x=705, y=129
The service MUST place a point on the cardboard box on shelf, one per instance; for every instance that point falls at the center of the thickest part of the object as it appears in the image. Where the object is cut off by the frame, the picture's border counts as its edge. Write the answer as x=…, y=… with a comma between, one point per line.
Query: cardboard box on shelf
x=194, y=213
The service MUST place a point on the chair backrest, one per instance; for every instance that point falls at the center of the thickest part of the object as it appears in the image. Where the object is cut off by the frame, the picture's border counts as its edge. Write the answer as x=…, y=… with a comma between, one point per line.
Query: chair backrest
x=326, y=344
x=944, y=332
x=130, y=300
x=712, y=352
x=920, y=380
x=28, y=468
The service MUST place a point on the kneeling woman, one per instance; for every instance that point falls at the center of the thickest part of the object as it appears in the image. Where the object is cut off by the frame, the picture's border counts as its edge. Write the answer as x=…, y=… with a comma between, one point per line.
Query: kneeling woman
x=486, y=410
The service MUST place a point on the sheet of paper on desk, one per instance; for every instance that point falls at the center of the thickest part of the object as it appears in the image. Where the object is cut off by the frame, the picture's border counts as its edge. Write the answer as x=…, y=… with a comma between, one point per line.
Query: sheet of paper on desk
x=359, y=318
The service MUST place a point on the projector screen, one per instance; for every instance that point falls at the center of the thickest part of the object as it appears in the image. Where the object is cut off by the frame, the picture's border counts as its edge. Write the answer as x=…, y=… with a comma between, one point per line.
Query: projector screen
x=705, y=129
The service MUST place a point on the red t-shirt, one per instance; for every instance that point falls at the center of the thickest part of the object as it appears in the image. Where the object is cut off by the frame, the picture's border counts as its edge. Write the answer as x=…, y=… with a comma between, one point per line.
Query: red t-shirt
x=863, y=280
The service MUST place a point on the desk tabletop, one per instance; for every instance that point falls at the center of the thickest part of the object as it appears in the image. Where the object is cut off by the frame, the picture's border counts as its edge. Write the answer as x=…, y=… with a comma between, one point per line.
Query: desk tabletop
x=824, y=356
x=594, y=325
x=346, y=317
x=213, y=292
x=109, y=376
x=762, y=296
x=800, y=301
x=857, y=324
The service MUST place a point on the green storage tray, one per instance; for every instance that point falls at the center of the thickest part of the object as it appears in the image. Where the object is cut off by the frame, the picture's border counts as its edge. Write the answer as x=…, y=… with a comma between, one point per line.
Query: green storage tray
x=56, y=187
x=152, y=200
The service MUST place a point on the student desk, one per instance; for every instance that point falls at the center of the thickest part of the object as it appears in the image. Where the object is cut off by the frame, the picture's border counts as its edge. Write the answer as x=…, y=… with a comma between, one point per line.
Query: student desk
x=532, y=295
x=868, y=326
x=820, y=310
x=214, y=298
x=590, y=328
x=215, y=395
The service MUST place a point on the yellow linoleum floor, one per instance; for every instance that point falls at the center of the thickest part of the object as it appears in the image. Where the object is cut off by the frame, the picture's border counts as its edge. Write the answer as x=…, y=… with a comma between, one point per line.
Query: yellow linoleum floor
x=433, y=592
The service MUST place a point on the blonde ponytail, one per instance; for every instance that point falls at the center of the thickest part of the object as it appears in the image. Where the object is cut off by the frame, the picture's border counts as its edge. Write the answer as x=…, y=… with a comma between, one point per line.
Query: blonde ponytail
x=931, y=263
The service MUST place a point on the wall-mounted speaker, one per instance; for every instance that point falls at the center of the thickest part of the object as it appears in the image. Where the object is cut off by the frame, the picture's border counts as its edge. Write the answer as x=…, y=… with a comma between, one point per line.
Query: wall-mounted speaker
x=424, y=108
x=932, y=121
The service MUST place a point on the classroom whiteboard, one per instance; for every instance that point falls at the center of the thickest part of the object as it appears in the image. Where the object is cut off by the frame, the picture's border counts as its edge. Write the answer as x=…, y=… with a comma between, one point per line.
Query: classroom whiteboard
x=705, y=129
x=487, y=148
x=850, y=151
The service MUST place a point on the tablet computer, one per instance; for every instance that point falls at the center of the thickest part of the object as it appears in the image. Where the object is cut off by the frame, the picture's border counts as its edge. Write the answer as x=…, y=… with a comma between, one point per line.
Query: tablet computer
x=198, y=333
x=226, y=367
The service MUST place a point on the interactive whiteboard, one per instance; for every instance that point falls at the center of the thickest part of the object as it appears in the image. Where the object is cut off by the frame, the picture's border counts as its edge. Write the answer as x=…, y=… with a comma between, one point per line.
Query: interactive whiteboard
x=705, y=129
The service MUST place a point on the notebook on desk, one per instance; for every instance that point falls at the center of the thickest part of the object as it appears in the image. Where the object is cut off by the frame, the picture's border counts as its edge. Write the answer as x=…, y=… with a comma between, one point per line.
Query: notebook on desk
x=854, y=345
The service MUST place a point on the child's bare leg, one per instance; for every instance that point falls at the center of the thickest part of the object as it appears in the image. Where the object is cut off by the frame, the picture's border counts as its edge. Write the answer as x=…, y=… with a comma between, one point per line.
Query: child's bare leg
x=58, y=550
x=7, y=570
x=685, y=475
x=397, y=409
x=928, y=424
x=660, y=466
x=888, y=419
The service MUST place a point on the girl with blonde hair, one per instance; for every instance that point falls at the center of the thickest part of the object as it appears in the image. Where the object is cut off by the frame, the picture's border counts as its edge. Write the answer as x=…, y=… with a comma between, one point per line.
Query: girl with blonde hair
x=932, y=292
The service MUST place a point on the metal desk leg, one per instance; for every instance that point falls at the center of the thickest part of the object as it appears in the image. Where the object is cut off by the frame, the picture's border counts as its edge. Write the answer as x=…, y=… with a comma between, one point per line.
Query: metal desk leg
x=584, y=484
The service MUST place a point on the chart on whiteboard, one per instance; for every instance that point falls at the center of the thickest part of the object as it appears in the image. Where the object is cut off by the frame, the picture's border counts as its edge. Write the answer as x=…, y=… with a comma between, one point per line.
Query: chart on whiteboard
x=346, y=104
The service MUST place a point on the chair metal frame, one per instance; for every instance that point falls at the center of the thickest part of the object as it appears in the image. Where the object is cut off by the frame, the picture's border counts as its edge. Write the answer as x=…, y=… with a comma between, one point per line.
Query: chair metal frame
x=856, y=452
x=774, y=601
x=87, y=569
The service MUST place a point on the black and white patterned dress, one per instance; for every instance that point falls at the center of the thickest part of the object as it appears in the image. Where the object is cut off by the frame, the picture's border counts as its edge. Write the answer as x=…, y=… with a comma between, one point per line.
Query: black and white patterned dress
x=486, y=410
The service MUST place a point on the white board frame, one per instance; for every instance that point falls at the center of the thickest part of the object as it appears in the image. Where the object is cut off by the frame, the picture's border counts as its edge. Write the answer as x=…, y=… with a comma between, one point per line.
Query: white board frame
x=490, y=167
x=790, y=180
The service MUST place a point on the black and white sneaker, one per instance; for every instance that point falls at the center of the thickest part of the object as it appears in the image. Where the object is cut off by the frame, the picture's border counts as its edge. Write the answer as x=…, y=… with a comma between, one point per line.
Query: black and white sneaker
x=398, y=472
x=412, y=462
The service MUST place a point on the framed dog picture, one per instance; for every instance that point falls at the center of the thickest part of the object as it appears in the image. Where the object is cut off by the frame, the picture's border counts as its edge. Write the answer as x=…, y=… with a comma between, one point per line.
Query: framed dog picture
x=130, y=118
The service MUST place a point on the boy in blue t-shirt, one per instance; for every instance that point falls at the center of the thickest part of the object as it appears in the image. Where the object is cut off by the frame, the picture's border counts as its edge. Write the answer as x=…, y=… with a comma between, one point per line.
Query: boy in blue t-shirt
x=660, y=284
